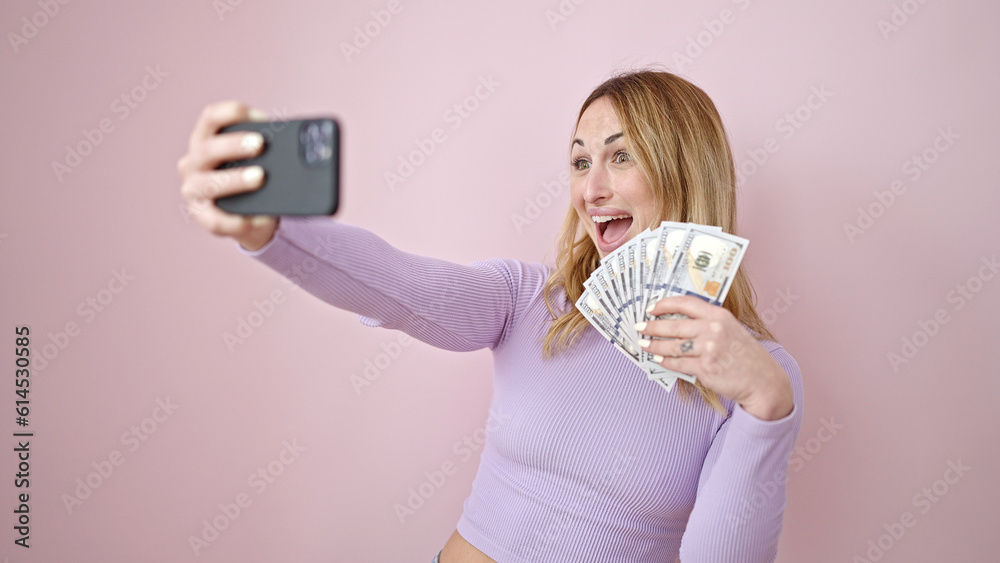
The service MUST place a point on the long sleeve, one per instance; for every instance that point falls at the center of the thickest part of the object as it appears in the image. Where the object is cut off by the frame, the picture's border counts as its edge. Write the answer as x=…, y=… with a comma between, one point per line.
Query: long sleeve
x=738, y=512
x=447, y=305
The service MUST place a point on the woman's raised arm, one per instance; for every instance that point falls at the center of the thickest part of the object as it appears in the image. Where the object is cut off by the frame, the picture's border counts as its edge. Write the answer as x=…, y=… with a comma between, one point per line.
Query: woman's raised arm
x=448, y=305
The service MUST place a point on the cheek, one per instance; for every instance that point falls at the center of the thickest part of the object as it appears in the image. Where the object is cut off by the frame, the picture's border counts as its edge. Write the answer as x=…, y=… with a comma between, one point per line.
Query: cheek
x=640, y=197
x=576, y=195
x=578, y=203
x=641, y=190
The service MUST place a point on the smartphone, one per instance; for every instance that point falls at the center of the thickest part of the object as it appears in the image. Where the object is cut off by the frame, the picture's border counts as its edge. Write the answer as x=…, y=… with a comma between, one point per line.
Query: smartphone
x=301, y=162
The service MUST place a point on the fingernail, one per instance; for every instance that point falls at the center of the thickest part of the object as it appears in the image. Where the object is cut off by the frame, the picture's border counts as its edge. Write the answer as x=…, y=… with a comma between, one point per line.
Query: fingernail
x=650, y=308
x=640, y=326
x=259, y=220
x=253, y=175
x=657, y=358
x=644, y=343
x=257, y=114
x=252, y=142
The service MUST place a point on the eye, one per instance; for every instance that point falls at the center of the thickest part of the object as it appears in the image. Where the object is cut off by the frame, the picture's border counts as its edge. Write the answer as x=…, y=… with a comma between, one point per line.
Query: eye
x=580, y=164
x=622, y=157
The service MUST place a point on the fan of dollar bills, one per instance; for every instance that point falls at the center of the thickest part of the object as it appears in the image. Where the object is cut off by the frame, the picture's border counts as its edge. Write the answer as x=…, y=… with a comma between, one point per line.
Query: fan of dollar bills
x=674, y=259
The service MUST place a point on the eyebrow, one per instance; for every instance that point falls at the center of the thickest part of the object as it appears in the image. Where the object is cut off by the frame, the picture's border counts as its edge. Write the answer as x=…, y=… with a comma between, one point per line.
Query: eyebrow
x=607, y=141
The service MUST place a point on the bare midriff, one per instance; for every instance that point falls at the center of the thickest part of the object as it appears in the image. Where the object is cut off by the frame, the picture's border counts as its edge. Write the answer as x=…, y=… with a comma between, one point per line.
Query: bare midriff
x=458, y=550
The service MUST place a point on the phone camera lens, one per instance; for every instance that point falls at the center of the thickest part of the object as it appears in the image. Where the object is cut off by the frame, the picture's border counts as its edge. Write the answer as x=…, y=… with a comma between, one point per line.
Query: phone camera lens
x=316, y=142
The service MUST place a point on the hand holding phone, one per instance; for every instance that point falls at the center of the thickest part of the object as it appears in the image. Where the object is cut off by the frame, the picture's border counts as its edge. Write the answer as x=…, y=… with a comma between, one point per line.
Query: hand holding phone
x=301, y=162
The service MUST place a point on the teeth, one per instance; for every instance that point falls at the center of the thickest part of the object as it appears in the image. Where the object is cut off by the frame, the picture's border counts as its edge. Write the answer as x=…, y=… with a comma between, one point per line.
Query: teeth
x=606, y=218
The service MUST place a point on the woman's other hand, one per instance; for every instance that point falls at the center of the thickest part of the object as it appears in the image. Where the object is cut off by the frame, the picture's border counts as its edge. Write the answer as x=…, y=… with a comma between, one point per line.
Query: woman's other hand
x=719, y=351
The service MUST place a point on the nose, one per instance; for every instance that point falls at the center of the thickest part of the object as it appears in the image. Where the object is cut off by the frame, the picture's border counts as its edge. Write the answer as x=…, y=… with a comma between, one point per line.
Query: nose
x=598, y=185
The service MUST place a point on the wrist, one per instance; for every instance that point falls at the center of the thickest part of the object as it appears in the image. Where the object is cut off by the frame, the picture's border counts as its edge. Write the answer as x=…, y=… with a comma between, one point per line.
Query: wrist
x=257, y=238
x=773, y=401
x=255, y=241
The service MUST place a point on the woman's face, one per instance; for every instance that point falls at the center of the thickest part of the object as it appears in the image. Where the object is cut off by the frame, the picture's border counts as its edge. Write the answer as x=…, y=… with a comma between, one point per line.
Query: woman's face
x=607, y=187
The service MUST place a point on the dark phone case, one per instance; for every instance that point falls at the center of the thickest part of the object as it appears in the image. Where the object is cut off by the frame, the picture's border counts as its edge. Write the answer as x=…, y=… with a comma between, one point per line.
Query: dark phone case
x=291, y=186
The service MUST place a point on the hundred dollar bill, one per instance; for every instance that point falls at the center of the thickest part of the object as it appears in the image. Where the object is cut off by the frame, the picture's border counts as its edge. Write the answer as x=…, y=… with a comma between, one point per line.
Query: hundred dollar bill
x=595, y=312
x=625, y=260
x=644, y=255
x=611, y=272
x=667, y=383
x=707, y=264
x=669, y=260
x=661, y=258
x=645, y=250
x=670, y=237
x=663, y=373
x=704, y=266
x=601, y=300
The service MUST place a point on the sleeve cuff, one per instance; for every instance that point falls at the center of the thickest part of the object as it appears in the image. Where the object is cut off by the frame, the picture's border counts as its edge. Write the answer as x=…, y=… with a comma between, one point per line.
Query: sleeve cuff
x=277, y=233
x=753, y=426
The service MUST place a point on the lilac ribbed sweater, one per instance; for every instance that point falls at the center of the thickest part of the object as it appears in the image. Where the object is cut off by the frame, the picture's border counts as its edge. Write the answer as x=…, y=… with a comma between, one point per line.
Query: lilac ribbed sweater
x=588, y=460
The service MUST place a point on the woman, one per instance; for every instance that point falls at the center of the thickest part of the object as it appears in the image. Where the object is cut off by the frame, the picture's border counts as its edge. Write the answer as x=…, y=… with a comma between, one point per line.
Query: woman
x=592, y=462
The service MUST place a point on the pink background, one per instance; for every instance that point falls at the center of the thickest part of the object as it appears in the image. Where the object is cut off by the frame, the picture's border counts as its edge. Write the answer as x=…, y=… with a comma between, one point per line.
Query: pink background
x=852, y=299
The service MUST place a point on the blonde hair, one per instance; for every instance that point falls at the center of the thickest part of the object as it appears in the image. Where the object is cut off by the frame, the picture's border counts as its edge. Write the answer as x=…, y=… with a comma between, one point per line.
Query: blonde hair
x=675, y=134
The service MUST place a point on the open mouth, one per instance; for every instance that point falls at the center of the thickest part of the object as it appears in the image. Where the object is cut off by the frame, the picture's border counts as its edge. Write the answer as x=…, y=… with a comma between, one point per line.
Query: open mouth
x=612, y=229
